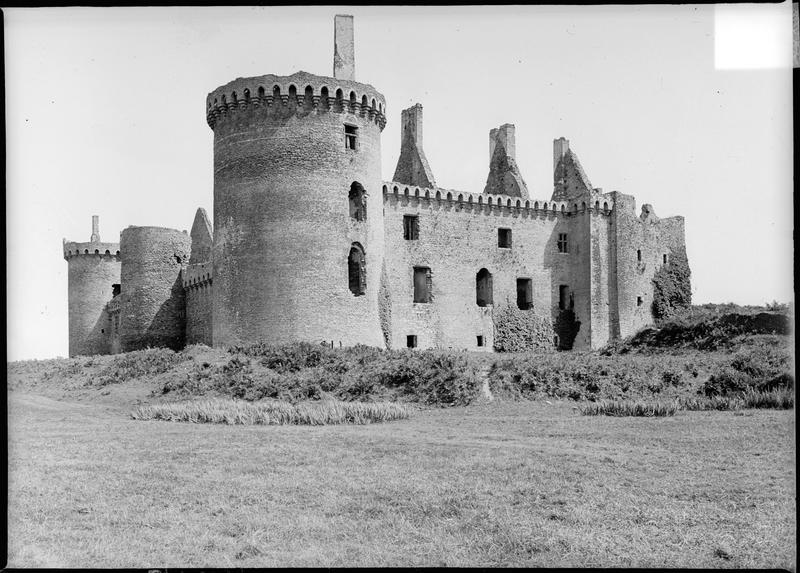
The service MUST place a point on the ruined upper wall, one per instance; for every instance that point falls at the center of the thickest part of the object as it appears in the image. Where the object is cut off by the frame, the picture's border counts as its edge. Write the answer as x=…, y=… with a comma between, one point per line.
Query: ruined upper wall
x=504, y=176
x=412, y=166
x=569, y=178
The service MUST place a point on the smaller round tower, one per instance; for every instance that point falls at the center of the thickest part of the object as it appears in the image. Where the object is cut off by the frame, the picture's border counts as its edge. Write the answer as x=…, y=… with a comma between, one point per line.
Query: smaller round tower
x=153, y=309
x=93, y=267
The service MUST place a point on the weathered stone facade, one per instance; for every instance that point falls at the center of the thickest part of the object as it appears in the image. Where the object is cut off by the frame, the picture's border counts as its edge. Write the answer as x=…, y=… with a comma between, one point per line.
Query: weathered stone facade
x=309, y=244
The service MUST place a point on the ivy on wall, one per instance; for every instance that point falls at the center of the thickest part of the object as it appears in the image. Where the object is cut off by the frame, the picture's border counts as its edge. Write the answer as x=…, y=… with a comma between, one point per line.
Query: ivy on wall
x=518, y=330
x=566, y=328
x=672, y=287
x=385, y=308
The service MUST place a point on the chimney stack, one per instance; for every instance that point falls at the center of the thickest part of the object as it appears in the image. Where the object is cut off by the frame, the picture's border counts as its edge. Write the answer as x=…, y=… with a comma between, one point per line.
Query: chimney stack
x=95, y=229
x=344, y=60
x=560, y=148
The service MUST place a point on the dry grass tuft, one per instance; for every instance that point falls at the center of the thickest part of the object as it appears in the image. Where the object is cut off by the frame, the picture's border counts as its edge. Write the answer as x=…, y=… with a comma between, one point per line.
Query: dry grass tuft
x=629, y=408
x=232, y=412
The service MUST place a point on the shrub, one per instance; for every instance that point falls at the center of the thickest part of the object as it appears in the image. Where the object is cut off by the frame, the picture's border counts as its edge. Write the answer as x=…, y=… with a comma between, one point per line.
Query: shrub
x=136, y=364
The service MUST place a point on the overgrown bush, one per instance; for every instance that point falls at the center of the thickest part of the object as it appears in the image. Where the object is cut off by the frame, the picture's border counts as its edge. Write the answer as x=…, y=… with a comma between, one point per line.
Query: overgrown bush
x=518, y=330
x=303, y=371
x=132, y=365
x=672, y=288
x=763, y=368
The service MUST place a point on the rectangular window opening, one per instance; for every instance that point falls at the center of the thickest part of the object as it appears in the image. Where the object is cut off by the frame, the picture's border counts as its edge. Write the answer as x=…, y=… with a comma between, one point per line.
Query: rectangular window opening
x=410, y=227
x=480, y=340
x=563, y=246
x=563, y=296
x=665, y=259
x=350, y=137
x=411, y=341
x=524, y=294
x=422, y=284
x=639, y=301
x=504, y=238
x=639, y=255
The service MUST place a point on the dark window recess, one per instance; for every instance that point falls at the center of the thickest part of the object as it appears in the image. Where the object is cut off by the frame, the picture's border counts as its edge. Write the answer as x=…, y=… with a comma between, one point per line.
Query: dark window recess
x=524, y=294
x=638, y=254
x=639, y=301
x=563, y=295
x=504, y=238
x=563, y=246
x=357, y=270
x=410, y=227
x=115, y=289
x=480, y=340
x=423, y=284
x=350, y=137
x=665, y=259
x=411, y=341
x=483, y=288
x=358, y=202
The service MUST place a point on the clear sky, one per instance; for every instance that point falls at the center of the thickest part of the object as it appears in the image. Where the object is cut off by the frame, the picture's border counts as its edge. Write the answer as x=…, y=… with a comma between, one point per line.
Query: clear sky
x=105, y=115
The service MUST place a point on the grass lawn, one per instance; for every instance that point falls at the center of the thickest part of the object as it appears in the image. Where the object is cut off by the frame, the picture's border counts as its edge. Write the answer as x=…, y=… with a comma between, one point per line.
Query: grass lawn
x=506, y=483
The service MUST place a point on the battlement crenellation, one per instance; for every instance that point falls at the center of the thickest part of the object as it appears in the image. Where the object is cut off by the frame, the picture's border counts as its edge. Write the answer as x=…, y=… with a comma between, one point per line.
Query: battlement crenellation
x=300, y=92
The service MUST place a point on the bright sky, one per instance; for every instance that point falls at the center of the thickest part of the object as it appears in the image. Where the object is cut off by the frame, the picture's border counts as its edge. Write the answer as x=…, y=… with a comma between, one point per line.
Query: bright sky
x=105, y=115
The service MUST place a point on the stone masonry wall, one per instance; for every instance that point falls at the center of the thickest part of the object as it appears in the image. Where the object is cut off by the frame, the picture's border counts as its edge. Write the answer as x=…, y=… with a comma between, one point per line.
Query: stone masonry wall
x=89, y=280
x=197, y=284
x=655, y=238
x=282, y=225
x=456, y=240
x=153, y=306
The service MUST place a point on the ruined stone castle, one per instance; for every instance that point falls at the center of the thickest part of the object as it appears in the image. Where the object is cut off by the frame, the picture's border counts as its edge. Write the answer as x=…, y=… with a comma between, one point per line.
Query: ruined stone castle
x=308, y=243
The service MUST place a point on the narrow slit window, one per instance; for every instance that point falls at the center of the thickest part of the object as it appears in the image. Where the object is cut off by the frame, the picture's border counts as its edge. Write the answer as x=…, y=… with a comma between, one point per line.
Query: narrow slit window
x=639, y=255
x=563, y=246
x=524, y=294
x=357, y=270
x=639, y=301
x=480, y=340
x=410, y=227
x=411, y=341
x=665, y=259
x=504, y=238
x=422, y=284
x=350, y=137
x=563, y=296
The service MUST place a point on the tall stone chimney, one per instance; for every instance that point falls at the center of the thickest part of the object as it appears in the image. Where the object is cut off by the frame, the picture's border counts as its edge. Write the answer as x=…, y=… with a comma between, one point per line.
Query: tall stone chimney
x=344, y=59
x=504, y=176
x=560, y=148
x=412, y=166
x=95, y=229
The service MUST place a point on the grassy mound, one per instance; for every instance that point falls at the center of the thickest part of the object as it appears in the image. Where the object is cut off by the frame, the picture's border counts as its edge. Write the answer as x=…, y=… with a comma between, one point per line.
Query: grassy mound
x=272, y=413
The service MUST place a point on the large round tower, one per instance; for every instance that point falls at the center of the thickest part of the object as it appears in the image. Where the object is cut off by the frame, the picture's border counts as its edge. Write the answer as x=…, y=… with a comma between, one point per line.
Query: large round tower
x=153, y=309
x=93, y=267
x=298, y=209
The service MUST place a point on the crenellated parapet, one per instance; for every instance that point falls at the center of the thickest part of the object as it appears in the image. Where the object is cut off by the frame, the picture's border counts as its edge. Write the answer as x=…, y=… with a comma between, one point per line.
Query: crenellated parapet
x=300, y=93
x=198, y=276
x=90, y=249
x=394, y=193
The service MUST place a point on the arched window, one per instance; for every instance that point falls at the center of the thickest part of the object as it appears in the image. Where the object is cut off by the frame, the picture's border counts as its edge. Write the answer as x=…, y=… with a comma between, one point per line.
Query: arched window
x=483, y=288
x=358, y=202
x=308, y=98
x=357, y=270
